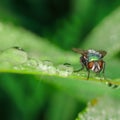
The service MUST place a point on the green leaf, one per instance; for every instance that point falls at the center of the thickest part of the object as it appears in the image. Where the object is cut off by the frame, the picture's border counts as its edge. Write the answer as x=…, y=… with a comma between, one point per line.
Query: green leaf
x=39, y=60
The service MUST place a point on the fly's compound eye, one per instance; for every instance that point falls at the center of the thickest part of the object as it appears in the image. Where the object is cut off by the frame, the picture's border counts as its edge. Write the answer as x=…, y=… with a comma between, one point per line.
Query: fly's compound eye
x=90, y=65
x=100, y=64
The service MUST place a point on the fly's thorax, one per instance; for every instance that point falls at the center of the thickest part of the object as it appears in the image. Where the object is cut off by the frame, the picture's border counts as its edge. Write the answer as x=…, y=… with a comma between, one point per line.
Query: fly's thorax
x=93, y=57
x=95, y=66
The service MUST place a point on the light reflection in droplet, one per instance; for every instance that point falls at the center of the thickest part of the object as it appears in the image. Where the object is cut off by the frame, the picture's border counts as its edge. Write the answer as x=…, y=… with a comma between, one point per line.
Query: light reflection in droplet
x=46, y=66
x=64, y=70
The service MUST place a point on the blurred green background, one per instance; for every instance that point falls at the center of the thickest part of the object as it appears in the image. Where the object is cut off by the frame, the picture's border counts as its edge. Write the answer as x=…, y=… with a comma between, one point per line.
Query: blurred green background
x=63, y=23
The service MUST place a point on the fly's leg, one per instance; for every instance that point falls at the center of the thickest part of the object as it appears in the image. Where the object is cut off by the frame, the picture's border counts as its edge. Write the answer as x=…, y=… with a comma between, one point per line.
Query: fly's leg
x=103, y=71
x=82, y=63
x=88, y=74
x=79, y=69
x=82, y=69
x=109, y=83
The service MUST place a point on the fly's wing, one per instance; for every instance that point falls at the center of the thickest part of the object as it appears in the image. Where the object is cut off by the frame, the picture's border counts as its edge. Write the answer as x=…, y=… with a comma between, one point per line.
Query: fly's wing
x=102, y=52
x=82, y=52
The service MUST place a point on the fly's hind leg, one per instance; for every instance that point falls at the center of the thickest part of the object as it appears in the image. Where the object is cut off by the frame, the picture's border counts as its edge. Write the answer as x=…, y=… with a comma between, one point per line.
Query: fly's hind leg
x=109, y=83
x=88, y=74
x=103, y=71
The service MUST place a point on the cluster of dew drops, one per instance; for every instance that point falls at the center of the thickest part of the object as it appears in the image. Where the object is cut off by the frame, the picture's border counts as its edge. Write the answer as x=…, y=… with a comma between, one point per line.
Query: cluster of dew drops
x=17, y=59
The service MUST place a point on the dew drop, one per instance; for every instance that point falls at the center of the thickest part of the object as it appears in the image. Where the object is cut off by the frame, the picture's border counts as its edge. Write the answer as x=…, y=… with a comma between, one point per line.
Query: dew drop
x=64, y=70
x=98, y=78
x=51, y=70
x=18, y=48
x=46, y=66
x=19, y=67
x=5, y=65
x=47, y=63
x=31, y=63
x=14, y=56
x=83, y=74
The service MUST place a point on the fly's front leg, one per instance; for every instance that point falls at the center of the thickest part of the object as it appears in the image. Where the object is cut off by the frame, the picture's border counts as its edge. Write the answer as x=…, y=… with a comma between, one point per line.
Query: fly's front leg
x=82, y=63
x=79, y=69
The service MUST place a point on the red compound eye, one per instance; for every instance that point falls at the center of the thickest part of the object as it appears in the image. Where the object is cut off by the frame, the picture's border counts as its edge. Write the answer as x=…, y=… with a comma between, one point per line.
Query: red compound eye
x=90, y=65
x=100, y=63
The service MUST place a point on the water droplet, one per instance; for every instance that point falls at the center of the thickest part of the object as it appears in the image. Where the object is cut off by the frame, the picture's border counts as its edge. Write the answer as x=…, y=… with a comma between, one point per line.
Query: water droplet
x=47, y=63
x=98, y=78
x=5, y=65
x=64, y=70
x=15, y=67
x=81, y=73
x=51, y=70
x=13, y=56
x=31, y=63
x=46, y=66
x=18, y=48
x=19, y=67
